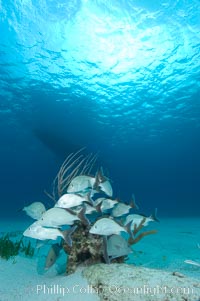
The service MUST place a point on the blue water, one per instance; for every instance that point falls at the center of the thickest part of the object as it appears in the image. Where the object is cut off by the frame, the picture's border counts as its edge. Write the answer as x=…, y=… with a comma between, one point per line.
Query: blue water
x=121, y=78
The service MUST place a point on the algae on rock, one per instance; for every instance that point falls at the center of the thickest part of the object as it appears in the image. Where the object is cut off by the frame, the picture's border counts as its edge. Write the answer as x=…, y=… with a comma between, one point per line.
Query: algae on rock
x=87, y=249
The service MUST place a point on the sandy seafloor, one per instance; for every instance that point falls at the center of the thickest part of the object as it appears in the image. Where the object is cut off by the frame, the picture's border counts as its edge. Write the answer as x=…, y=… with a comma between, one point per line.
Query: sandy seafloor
x=23, y=278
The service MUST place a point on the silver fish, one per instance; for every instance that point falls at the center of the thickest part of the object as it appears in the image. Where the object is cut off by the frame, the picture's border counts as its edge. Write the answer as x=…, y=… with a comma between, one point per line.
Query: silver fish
x=137, y=218
x=89, y=209
x=81, y=183
x=38, y=232
x=56, y=217
x=35, y=210
x=117, y=246
x=106, y=226
x=120, y=209
x=108, y=204
x=69, y=200
x=192, y=262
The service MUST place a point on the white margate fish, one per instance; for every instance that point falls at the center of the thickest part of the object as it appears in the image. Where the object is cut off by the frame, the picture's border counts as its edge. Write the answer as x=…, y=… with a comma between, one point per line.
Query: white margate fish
x=137, y=218
x=35, y=210
x=69, y=200
x=121, y=209
x=38, y=232
x=106, y=226
x=56, y=217
x=104, y=204
x=117, y=246
x=108, y=204
x=81, y=183
x=88, y=209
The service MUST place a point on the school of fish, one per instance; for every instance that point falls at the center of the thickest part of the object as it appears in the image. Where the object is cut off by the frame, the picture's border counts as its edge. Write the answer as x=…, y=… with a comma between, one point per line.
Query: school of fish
x=88, y=201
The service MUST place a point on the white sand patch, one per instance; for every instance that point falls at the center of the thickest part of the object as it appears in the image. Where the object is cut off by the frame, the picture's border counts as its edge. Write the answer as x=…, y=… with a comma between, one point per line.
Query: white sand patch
x=127, y=283
x=20, y=282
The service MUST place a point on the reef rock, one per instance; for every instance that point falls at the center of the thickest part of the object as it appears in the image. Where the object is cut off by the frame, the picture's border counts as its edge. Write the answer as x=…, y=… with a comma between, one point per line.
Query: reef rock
x=125, y=282
x=87, y=249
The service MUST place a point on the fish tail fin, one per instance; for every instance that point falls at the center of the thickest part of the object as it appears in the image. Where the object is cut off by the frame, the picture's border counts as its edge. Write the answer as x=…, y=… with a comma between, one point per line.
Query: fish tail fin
x=96, y=183
x=128, y=228
x=20, y=209
x=105, y=250
x=118, y=199
x=89, y=198
x=82, y=217
x=133, y=203
x=98, y=207
x=67, y=235
x=153, y=216
x=99, y=178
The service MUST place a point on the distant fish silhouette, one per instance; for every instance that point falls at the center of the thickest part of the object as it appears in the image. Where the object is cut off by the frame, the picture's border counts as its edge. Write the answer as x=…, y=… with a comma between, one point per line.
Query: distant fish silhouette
x=192, y=262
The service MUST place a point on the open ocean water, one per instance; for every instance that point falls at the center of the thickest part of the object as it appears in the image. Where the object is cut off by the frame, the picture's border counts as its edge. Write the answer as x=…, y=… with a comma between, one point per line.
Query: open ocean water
x=122, y=79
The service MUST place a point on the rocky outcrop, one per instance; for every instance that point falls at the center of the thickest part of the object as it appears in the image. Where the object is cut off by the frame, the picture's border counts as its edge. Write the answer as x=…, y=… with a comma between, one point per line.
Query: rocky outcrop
x=124, y=282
